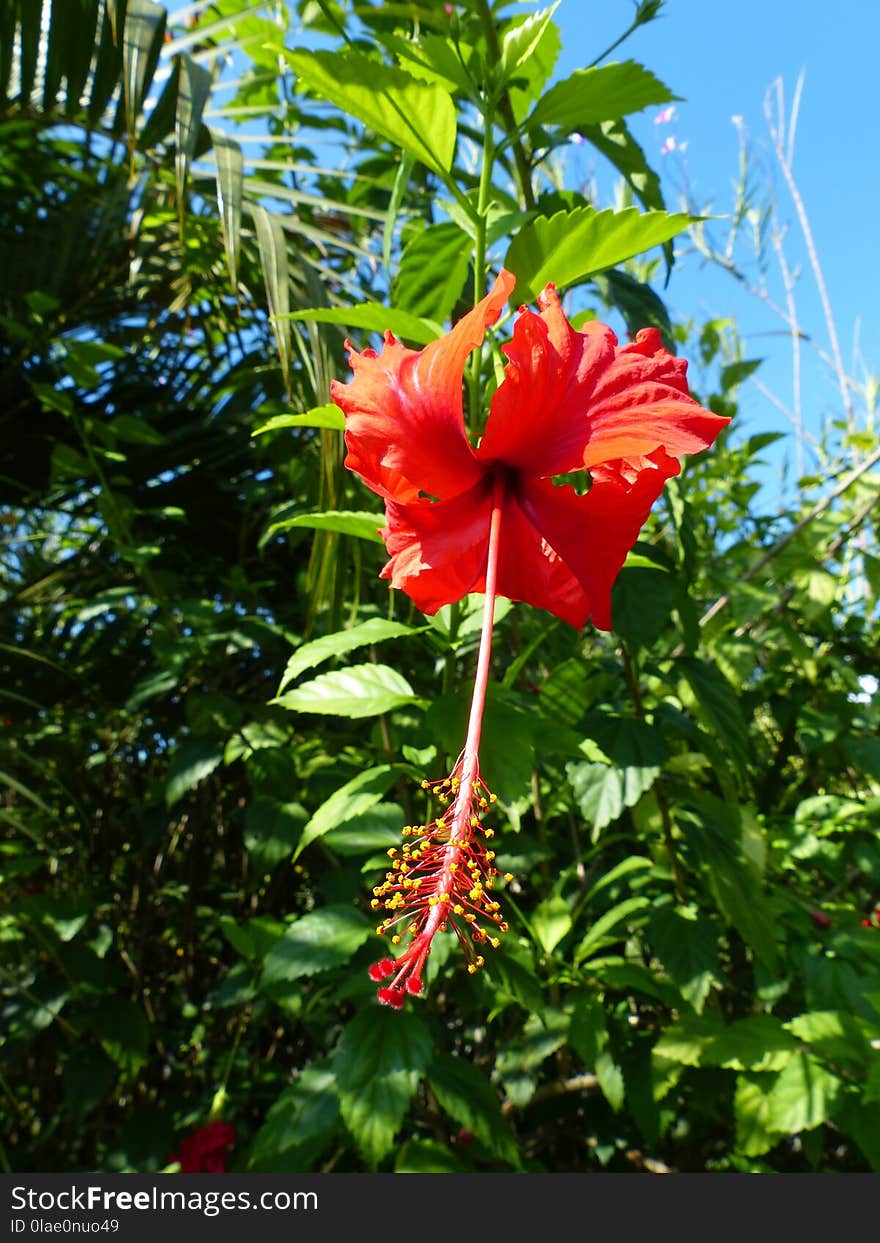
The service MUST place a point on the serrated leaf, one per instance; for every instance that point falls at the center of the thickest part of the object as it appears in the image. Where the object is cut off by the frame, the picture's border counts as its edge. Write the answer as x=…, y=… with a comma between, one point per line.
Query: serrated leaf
x=602, y=791
x=379, y=1061
x=358, y=691
x=602, y=93
x=754, y=1133
x=316, y=942
x=300, y=1125
x=802, y=1096
x=191, y=762
x=432, y=271
x=520, y=41
x=688, y=947
x=572, y=245
x=720, y=704
x=467, y=1095
x=413, y=115
x=353, y=799
x=375, y=630
x=375, y=317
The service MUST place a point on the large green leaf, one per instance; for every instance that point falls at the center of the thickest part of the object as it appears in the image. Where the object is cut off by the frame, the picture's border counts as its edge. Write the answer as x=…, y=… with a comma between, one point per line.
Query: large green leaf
x=272, y=243
x=687, y=946
x=375, y=630
x=325, y=938
x=570, y=246
x=346, y=522
x=300, y=1125
x=353, y=799
x=415, y=116
x=194, y=89
x=607, y=927
x=192, y=761
x=432, y=271
x=721, y=707
x=379, y=1061
x=360, y=690
x=602, y=93
x=467, y=1096
x=376, y=317
x=230, y=186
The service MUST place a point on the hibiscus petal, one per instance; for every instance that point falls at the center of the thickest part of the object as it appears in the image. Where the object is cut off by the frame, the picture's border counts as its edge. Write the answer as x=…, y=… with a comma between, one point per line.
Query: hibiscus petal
x=438, y=549
x=404, y=427
x=573, y=399
x=592, y=534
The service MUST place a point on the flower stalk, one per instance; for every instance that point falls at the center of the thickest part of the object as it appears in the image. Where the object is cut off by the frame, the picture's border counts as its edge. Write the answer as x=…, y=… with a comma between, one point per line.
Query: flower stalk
x=445, y=874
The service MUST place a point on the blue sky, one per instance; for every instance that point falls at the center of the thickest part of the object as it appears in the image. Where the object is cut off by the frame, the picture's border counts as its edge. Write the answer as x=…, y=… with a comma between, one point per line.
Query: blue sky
x=722, y=57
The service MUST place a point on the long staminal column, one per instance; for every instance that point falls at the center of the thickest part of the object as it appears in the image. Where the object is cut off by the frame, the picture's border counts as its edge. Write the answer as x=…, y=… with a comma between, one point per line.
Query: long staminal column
x=444, y=874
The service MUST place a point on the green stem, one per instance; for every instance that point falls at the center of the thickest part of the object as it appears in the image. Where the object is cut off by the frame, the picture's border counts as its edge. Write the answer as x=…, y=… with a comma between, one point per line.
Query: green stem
x=523, y=171
x=483, y=201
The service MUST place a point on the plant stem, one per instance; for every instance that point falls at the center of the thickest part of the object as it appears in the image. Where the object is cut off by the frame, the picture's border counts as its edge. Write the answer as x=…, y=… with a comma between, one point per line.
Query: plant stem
x=483, y=199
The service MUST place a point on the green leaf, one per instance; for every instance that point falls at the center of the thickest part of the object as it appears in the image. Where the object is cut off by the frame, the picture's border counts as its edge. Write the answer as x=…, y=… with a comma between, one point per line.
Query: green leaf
x=319, y=416
x=755, y=1133
x=325, y=938
x=346, y=522
x=376, y=630
x=124, y=1033
x=732, y=878
x=379, y=1061
x=833, y=1035
x=301, y=1124
x=415, y=116
x=721, y=707
x=230, y=186
x=141, y=38
x=641, y=603
x=602, y=932
x=602, y=792
x=193, y=92
x=358, y=691
x=616, y=143
x=433, y=269
x=271, y=830
x=427, y=1156
x=353, y=799
x=192, y=762
x=551, y=920
x=520, y=41
x=572, y=245
x=688, y=947
x=802, y=1096
x=602, y=93
x=376, y=317
x=467, y=1095
x=272, y=244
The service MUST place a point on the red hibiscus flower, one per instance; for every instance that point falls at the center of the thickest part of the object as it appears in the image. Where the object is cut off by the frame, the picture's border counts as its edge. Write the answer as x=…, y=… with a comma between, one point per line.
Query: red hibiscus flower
x=204, y=1152
x=492, y=520
x=569, y=401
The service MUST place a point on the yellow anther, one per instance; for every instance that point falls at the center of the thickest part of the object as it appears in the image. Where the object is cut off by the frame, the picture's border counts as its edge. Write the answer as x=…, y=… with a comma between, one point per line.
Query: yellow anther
x=433, y=900
x=503, y=927
x=426, y=785
x=470, y=917
x=440, y=822
x=475, y=822
x=508, y=876
x=374, y=903
x=494, y=942
x=489, y=832
x=395, y=940
x=493, y=798
x=480, y=960
x=471, y=969
x=458, y=909
x=490, y=855
x=391, y=852
x=444, y=897
x=380, y=930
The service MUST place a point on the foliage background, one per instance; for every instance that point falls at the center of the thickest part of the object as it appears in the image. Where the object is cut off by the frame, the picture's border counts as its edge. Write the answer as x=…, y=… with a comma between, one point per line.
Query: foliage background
x=689, y=803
